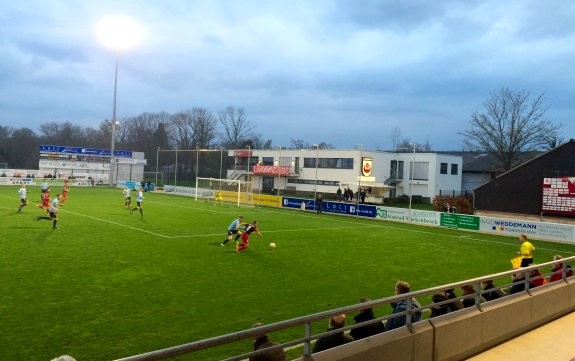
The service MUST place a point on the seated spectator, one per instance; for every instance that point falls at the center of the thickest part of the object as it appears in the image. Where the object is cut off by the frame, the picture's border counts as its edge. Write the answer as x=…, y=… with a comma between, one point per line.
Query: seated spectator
x=438, y=310
x=469, y=291
x=537, y=278
x=368, y=330
x=331, y=341
x=519, y=283
x=454, y=305
x=557, y=271
x=402, y=287
x=493, y=293
x=262, y=341
x=448, y=208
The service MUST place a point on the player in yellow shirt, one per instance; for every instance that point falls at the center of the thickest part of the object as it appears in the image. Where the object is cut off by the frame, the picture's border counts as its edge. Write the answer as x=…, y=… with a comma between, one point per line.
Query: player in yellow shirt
x=526, y=251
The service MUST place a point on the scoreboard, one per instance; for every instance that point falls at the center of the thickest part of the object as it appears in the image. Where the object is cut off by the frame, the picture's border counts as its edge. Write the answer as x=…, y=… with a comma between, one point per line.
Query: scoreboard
x=559, y=196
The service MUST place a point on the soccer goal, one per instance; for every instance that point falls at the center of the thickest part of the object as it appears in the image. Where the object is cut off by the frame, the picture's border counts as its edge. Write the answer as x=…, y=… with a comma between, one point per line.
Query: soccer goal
x=225, y=191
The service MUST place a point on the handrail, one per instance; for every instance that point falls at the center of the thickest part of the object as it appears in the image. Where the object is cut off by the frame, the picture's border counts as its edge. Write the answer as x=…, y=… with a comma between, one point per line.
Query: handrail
x=309, y=319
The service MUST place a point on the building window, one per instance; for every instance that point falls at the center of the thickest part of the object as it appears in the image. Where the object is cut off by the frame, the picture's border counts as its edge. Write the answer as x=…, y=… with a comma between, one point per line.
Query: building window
x=396, y=169
x=454, y=169
x=443, y=168
x=421, y=171
x=268, y=160
x=335, y=163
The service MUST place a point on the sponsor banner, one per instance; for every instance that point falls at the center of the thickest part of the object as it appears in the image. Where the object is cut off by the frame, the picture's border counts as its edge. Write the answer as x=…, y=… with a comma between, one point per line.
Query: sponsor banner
x=402, y=215
x=16, y=180
x=393, y=214
x=65, y=164
x=272, y=170
x=288, y=202
x=464, y=221
x=84, y=151
x=183, y=191
x=350, y=209
x=242, y=153
x=556, y=231
x=425, y=217
x=267, y=200
x=131, y=161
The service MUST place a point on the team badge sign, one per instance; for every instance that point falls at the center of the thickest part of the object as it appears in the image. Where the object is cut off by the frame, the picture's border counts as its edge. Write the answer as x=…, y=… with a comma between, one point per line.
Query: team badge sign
x=366, y=166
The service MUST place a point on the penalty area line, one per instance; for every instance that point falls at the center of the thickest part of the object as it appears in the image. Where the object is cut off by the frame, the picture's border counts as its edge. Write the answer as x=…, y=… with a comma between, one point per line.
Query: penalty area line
x=115, y=223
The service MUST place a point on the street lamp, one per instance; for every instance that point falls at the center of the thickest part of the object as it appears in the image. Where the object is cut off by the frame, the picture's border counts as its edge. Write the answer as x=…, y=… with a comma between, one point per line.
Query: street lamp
x=411, y=178
x=249, y=160
x=117, y=32
x=316, y=161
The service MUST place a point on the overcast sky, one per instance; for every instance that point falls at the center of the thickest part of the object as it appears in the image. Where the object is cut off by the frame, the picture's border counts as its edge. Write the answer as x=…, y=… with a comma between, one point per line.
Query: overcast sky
x=342, y=72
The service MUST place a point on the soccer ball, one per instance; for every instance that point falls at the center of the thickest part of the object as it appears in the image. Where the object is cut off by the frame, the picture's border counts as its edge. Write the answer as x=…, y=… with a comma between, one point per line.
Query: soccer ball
x=272, y=245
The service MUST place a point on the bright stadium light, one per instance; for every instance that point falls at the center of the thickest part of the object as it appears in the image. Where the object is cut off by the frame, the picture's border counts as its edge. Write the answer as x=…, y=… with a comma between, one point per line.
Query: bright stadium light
x=117, y=32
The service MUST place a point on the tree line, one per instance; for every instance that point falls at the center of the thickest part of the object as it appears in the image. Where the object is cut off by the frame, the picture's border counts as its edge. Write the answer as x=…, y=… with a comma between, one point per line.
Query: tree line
x=189, y=129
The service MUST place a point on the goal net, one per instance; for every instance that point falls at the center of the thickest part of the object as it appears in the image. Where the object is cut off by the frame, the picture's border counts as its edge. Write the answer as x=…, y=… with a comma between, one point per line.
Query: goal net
x=233, y=191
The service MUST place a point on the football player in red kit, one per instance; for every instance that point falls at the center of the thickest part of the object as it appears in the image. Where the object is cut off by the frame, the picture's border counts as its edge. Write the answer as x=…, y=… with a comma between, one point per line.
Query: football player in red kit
x=249, y=228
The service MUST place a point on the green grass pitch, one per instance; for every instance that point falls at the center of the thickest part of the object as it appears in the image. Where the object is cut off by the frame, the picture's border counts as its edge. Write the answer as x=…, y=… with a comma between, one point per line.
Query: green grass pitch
x=109, y=284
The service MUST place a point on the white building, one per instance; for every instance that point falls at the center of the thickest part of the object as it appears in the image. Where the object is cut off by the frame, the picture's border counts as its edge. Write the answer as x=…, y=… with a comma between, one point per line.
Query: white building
x=296, y=170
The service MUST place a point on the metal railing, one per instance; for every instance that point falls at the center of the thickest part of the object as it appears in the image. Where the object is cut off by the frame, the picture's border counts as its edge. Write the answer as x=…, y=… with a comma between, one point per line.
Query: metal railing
x=307, y=321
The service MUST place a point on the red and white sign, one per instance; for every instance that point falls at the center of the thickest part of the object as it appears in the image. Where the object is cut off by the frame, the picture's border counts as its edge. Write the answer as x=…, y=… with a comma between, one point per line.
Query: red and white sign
x=559, y=196
x=272, y=169
x=242, y=153
x=366, y=163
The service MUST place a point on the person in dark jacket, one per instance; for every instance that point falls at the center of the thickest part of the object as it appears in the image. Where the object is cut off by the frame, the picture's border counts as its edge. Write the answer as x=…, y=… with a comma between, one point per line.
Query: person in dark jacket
x=493, y=293
x=439, y=309
x=319, y=203
x=402, y=287
x=326, y=342
x=368, y=330
x=262, y=341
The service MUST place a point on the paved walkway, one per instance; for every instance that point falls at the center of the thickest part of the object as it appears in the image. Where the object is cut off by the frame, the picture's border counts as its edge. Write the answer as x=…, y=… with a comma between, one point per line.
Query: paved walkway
x=551, y=342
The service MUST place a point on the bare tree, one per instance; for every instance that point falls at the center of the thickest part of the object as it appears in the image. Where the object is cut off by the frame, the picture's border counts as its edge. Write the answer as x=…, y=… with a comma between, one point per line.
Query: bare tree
x=203, y=127
x=236, y=127
x=299, y=143
x=395, y=137
x=511, y=124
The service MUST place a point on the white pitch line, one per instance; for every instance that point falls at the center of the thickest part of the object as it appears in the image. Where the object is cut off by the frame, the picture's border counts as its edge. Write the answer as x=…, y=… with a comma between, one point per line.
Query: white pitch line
x=115, y=223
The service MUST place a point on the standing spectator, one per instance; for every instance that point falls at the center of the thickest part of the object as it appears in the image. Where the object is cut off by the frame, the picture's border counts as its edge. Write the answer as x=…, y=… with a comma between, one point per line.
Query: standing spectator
x=319, y=203
x=368, y=330
x=338, y=192
x=526, y=251
x=449, y=208
x=262, y=341
x=557, y=271
x=350, y=195
x=402, y=287
x=493, y=293
x=363, y=195
x=331, y=341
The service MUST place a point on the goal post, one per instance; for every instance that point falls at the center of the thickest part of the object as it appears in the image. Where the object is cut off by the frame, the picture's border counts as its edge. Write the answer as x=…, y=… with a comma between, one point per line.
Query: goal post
x=224, y=190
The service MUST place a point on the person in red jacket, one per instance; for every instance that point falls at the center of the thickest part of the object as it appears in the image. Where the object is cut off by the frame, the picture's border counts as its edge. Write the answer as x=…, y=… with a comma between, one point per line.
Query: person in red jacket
x=557, y=271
